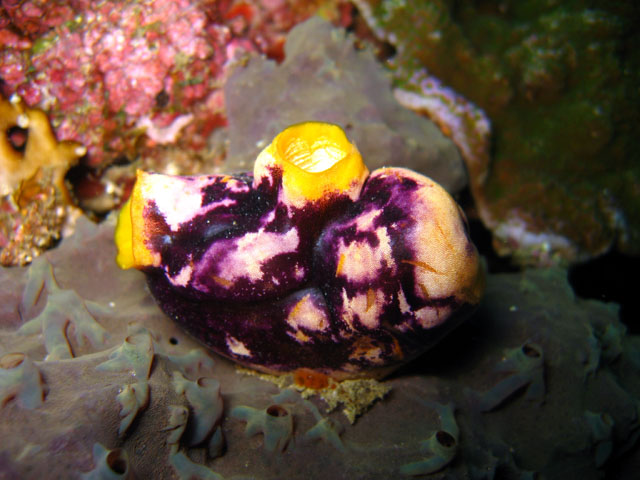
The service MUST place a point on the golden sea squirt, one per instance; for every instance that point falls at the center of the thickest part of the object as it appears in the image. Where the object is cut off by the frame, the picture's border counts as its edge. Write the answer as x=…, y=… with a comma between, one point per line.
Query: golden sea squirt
x=309, y=262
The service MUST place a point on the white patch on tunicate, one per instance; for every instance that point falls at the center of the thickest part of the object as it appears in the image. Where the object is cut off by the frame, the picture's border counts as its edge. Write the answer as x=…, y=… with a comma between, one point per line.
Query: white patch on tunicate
x=365, y=221
x=268, y=218
x=363, y=261
x=179, y=200
x=236, y=347
x=402, y=302
x=298, y=272
x=429, y=317
x=253, y=250
x=308, y=315
x=183, y=276
x=233, y=185
x=366, y=306
x=262, y=167
x=299, y=336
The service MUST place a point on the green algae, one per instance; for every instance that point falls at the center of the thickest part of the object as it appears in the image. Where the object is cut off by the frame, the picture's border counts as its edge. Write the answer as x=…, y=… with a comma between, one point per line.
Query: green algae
x=558, y=80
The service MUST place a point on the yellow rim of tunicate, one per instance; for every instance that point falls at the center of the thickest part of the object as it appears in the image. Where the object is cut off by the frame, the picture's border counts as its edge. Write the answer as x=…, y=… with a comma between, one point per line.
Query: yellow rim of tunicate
x=130, y=230
x=123, y=237
x=317, y=160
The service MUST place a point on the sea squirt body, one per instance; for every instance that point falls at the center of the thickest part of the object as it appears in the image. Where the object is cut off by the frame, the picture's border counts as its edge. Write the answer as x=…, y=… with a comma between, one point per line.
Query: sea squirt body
x=308, y=263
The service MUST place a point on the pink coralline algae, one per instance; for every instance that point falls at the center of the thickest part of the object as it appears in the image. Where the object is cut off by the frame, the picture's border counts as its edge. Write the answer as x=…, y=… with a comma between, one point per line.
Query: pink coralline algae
x=105, y=67
x=33, y=17
x=135, y=69
x=109, y=71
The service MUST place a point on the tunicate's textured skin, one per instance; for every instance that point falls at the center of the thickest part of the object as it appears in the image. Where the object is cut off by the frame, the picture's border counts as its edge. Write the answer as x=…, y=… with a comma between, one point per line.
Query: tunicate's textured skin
x=307, y=263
